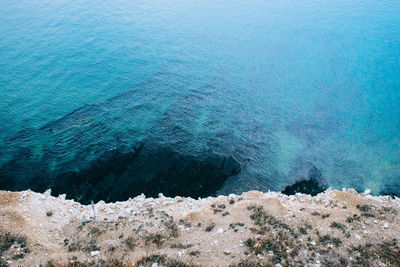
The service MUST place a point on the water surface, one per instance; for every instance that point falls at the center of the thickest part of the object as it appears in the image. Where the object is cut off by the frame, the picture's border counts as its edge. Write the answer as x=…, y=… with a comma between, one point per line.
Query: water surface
x=277, y=85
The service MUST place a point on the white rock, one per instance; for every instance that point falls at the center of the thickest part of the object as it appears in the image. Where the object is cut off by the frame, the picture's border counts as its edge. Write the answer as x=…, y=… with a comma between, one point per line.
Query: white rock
x=47, y=193
x=367, y=191
x=154, y=264
x=385, y=225
x=220, y=230
x=357, y=236
x=94, y=253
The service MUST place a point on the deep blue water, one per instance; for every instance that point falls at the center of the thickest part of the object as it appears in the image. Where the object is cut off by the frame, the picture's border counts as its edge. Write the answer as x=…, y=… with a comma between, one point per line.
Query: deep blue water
x=275, y=84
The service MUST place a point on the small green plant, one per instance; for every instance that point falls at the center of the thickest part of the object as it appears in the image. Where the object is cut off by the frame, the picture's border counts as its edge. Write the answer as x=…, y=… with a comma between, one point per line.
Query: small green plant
x=18, y=256
x=302, y=230
x=156, y=239
x=338, y=225
x=364, y=208
x=6, y=241
x=368, y=214
x=336, y=241
x=91, y=246
x=130, y=243
x=194, y=253
x=390, y=210
x=94, y=231
x=181, y=246
x=210, y=227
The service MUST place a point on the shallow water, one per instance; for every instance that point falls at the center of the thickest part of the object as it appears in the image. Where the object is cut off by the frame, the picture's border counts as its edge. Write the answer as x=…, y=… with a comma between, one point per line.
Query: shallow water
x=276, y=85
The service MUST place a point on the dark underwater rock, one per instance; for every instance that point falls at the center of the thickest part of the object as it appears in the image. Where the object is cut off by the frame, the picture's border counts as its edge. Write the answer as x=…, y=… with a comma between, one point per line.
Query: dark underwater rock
x=312, y=183
x=393, y=189
x=118, y=176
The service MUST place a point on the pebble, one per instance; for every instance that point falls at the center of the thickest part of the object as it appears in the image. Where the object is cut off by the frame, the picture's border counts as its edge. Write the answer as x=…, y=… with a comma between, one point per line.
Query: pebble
x=94, y=253
x=220, y=230
x=385, y=225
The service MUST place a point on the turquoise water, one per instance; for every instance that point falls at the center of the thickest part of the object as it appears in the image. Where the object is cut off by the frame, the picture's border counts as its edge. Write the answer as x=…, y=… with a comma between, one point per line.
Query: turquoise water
x=274, y=84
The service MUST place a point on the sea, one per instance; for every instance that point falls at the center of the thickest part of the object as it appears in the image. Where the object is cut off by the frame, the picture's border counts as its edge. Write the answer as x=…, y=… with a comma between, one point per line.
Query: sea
x=127, y=95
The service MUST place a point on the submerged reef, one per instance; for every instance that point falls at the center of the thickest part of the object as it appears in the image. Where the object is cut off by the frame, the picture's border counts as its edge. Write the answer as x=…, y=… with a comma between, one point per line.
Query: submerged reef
x=312, y=183
x=118, y=175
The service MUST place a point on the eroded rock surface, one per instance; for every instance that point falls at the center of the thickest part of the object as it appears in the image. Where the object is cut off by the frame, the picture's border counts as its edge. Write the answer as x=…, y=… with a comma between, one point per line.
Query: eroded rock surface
x=335, y=228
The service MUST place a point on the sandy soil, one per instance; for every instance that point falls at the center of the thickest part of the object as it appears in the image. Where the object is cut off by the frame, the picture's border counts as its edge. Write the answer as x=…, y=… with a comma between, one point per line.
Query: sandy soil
x=335, y=228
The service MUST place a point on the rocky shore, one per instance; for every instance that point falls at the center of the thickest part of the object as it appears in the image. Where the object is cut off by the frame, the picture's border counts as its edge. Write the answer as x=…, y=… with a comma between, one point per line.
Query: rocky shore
x=334, y=228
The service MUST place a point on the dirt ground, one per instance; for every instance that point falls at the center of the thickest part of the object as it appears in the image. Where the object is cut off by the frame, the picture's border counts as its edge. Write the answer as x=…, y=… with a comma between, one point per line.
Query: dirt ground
x=335, y=228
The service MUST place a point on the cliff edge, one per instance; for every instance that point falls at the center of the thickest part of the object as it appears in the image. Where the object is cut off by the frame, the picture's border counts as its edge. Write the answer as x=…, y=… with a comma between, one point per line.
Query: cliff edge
x=334, y=228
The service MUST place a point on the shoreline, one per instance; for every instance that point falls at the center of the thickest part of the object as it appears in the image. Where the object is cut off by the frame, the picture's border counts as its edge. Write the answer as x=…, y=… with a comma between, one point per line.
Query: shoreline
x=341, y=228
